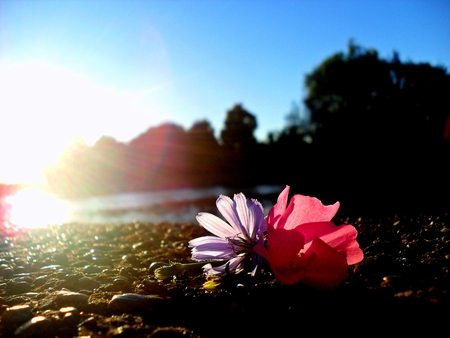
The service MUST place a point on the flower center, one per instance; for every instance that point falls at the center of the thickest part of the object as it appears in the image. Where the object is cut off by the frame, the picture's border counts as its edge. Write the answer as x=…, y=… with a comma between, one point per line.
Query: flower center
x=241, y=244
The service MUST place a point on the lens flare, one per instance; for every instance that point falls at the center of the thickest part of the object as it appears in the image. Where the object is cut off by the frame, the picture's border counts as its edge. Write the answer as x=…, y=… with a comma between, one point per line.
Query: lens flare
x=32, y=208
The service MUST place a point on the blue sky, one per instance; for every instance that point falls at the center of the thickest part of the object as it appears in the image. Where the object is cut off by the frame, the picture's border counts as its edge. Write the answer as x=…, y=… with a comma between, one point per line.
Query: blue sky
x=93, y=68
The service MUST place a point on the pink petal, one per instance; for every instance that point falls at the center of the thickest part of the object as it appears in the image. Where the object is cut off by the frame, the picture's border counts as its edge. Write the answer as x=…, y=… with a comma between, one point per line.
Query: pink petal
x=283, y=245
x=279, y=208
x=305, y=209
x=326, y=268
x=261, y=250
x=341, y=238
x=290, y=273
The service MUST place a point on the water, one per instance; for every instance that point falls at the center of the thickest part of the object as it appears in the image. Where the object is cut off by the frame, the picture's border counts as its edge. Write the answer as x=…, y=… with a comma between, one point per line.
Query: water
x=32, y=207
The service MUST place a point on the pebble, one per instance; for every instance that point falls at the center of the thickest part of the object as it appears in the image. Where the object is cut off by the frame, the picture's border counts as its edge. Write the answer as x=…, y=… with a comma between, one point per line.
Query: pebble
x=69, y=319
x=37, y=327
x=103, y=262
x=134, y=303
x=40, y=280
x=91, y=269
x=66, y=298
x=120, y=284
x=61, y=258
x=52, y=267
x=88, y=283
x=16, y=287
x=146, y=245
x=16, y=315
x=6, y=271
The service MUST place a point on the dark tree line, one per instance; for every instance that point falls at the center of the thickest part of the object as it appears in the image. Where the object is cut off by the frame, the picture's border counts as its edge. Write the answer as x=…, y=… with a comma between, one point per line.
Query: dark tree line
x=164, y=157
x=375, y=133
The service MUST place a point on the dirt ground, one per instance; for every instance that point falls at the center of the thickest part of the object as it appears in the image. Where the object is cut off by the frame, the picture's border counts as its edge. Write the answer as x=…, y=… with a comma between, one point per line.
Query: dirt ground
x=90, y=280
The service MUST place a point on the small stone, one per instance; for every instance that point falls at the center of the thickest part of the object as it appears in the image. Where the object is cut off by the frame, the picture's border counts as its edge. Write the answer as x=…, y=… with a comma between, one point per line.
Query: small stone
x=70, y=318
x=16, y=315
x=66, y=298
x=120, y=284
x=6, y=271
x=41, y=280
x=142, y=246
x=18, y=287
x=88, y=283
x=39, y=326
x=134, y=303
x=49, y=268
x=92, y=269
x=61, y=258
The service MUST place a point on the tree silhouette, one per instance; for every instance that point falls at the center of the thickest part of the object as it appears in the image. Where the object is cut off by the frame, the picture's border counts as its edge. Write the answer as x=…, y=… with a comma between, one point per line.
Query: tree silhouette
x=156, y=159
x=239, y=147
x=67, y=177
x=377, y=133
x=203, y=155
x=238, y=132
x=380, y=122
x=361, y=97
x=107, y=166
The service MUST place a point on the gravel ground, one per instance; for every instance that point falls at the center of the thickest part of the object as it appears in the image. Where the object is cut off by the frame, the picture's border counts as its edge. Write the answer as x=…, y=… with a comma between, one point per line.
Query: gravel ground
x=90, y=280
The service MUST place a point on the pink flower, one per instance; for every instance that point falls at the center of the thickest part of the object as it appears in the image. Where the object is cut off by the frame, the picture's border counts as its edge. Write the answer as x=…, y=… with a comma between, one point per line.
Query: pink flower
x=304, y=246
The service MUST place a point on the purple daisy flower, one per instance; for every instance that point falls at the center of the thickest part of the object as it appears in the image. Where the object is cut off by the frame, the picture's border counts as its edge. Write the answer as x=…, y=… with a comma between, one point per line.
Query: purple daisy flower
x=234, y=241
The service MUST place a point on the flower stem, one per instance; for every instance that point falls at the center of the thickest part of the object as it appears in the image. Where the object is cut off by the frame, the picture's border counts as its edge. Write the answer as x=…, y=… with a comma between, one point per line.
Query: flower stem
x=178, y=268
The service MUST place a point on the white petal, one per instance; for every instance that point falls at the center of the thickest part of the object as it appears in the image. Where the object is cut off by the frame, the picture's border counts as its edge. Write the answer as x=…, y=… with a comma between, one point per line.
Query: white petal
x=227, y=208
x=242, y=211
x=235, y=265
x=206, y=240
x=256, y=218
x=215, y=225
x=207, y=255
x=210, y=247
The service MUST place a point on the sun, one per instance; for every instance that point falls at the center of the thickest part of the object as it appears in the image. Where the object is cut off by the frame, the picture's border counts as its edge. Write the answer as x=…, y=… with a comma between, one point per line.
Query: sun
x=42, y=109
x=32, y=207
x=30, y=105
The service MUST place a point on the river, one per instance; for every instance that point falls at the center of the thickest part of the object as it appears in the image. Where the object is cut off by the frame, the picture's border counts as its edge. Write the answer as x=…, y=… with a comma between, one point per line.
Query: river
x=31, y=207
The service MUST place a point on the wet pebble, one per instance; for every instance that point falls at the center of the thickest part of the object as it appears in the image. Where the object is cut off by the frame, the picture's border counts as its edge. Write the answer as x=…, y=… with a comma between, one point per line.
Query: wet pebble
x=103, y=262
x=128, y=272
x=61, y=258
x=120, y=284
x=20, y=269
x=69, y=319
x=40, y=280
x=101, y=247
x=92, y=269
x=65, y=298
x=90, y=324
x=87, y=283
x=134, y=303
x=70, y=313
x=142, y=246
x=6, y=271
x=16, y=315
x=166, y=332
x=49, y=268
x=39, y=326
x=131, y=259
x=394, y=282
x=16, y=287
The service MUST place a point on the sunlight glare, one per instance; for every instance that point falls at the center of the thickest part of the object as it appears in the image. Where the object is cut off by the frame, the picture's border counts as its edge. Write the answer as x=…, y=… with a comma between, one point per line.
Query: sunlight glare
x=43, y=107
x=33, y=208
